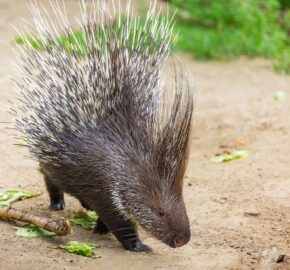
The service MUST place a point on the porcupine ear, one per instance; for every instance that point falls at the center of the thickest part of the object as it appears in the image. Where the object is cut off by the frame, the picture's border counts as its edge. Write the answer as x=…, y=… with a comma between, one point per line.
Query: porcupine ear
x=174, y=137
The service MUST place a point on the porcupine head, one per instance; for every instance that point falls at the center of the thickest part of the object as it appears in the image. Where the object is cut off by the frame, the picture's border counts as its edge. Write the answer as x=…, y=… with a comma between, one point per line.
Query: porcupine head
x=98, y=118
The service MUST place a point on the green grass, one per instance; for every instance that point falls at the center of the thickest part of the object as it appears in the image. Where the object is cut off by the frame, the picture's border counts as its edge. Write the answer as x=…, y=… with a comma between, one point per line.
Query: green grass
x=225, y=29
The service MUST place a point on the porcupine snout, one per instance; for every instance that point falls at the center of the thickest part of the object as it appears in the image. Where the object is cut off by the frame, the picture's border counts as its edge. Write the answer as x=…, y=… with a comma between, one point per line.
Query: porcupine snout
x=179, y=239
x=180, y=233
x=178, y=230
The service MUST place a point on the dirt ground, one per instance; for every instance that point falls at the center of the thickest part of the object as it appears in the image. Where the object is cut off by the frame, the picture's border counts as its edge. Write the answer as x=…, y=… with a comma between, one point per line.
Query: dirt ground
x=239, y=211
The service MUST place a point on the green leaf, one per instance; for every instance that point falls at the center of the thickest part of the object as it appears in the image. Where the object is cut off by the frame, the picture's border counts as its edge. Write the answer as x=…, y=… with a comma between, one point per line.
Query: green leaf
x=280, y=96
x=8, y=196
x=33, y=231
x=84, y=249
x=85, y=219
x=231, y=156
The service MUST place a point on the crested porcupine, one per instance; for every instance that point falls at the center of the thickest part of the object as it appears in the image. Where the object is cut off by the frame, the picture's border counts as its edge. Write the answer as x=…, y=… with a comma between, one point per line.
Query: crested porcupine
x=95, y=115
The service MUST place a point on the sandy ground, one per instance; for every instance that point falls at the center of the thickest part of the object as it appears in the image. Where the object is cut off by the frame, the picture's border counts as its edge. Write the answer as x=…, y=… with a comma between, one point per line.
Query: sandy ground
x=234, y=101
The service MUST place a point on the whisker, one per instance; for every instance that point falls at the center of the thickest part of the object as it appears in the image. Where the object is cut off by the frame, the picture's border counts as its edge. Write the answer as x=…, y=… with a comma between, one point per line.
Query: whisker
x=120, y=229
x=131, y=234
x=131, y=239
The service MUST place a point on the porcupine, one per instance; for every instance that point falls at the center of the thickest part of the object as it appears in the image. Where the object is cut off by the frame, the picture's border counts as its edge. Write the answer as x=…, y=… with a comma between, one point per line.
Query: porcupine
x=95, y=116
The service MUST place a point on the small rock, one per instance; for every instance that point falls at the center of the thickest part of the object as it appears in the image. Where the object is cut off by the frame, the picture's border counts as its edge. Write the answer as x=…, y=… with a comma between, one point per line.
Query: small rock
x=223, y=146
x=280, y=258
x=253, y=213
x=273, y=255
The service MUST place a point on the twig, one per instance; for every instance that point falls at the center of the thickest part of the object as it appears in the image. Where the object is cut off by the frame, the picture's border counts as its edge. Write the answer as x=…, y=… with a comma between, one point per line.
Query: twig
x=60, y=227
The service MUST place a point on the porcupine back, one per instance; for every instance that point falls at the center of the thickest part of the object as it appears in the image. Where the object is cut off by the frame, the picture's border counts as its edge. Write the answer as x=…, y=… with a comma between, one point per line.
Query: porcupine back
x=110, y=88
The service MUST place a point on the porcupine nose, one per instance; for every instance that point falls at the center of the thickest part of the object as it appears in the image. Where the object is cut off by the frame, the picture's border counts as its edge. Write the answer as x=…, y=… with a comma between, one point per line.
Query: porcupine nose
x=179, y=240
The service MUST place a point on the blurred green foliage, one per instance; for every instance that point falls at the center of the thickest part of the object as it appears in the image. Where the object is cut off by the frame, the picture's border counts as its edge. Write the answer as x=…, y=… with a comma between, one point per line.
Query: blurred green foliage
x=219, y=29
x=224, y=29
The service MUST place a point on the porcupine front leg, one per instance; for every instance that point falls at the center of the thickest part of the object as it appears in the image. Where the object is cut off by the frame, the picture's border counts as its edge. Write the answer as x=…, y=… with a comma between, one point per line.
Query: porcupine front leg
x=55, y=193
x=112, y=220
x=125, y=231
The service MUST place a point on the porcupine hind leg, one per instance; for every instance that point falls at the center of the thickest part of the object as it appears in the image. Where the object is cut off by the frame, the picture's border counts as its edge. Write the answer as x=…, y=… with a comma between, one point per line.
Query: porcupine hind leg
x=125, y=231
x=100, y=227
x=55, y=193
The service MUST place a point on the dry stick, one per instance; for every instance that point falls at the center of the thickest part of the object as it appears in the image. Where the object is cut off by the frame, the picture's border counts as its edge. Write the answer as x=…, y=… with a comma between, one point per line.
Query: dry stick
x=60, y=227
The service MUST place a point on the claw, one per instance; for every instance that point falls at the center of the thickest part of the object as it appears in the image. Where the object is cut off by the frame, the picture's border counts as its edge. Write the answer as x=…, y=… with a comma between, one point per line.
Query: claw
x=137, y=246
x=57, y=206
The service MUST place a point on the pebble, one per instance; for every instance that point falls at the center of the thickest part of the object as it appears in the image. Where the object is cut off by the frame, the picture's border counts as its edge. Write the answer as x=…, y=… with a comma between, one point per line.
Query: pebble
x=253, y=213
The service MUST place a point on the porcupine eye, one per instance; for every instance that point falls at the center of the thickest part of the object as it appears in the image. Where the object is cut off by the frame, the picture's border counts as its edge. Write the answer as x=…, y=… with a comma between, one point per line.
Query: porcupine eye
x=161, y=213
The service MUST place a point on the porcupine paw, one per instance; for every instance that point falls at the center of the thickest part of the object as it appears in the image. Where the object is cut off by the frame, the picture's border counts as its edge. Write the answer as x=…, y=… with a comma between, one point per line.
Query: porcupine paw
x=100, y=227
x=57, y=205
x=136, y=246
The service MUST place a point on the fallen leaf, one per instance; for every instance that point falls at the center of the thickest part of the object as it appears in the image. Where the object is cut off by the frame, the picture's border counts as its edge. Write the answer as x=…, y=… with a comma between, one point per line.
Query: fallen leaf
x=33, y=231
x=231, y=156
x=240, y=142
x=85, y=219
x=84, y=249
x=8, y=196
x=280, y=96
